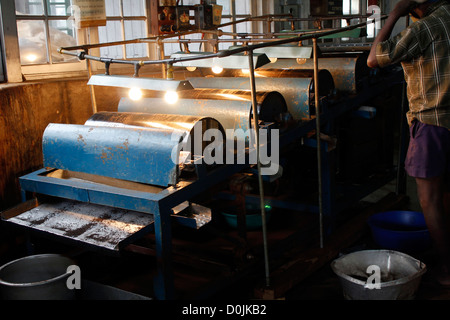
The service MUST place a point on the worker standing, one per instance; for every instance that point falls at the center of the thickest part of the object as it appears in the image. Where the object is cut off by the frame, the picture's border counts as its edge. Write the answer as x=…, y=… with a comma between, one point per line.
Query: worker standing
x=423, y=49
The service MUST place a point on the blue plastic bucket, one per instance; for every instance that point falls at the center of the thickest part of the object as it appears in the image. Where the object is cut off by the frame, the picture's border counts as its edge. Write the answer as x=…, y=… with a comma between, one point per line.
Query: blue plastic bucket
x=404, y=231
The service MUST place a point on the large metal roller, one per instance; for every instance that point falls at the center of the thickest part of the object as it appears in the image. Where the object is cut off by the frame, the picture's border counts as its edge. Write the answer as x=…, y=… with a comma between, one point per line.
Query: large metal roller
x=298, y=92
x=232, y=110
x=347, y=71
x=133, y=154
x=155, y=121
x=190, y=124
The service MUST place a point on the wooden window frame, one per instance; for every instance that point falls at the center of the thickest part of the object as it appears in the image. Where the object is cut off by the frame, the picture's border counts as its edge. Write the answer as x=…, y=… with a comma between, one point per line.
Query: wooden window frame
x=15, y=72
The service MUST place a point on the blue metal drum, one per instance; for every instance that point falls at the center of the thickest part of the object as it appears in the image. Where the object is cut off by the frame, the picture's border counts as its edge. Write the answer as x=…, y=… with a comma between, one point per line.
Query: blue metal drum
x=132, y=154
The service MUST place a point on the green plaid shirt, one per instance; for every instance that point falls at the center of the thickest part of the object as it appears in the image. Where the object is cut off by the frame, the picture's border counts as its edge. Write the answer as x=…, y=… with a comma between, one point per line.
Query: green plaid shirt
x=424, y=52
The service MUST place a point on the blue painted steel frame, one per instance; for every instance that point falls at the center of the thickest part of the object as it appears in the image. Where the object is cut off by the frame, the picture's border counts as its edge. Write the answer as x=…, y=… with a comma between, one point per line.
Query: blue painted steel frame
x=158, y=204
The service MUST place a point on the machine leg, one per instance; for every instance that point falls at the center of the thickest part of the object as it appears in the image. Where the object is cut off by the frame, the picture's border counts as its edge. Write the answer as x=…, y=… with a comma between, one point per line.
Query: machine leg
x=328, y=188
x=403, y=146
x=25, y=195
x=164, y=281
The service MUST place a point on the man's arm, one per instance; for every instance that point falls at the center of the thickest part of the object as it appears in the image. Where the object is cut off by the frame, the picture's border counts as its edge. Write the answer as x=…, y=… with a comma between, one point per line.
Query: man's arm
x=400, y=10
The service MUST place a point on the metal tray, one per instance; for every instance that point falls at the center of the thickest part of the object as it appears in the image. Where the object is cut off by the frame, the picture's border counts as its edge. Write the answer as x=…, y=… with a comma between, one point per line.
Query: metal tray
x=99, y=226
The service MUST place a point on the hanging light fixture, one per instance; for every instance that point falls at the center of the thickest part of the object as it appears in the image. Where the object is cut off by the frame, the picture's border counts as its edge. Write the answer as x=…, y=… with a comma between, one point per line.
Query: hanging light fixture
x=236, y=61
x=136, y=85
x=283, y=52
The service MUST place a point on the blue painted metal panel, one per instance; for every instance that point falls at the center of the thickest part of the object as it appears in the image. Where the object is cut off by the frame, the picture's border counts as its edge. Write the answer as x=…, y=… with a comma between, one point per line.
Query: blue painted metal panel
x=35, y=182
x=139, y=155
x=90, y=192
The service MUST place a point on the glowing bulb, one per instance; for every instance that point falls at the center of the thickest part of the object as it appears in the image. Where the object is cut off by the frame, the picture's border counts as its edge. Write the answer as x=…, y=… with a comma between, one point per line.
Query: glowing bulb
x=171, y=97
x=245, y=71
x=135, y=94
x=191, y=69
x=32, y=57
x=273, y=60
x=217, y=69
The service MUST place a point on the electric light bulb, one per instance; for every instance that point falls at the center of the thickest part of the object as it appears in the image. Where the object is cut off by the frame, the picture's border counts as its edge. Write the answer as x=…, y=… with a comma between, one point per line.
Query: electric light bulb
x=273, y=60
x=191, y=69
x=301, y=60
x=135, y=94
x=217, y=69
x=32, y=57
x=171, y=97
x=245, y=71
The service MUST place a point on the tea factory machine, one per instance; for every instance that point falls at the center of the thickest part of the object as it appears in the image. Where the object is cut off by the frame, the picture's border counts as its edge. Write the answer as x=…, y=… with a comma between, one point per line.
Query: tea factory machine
x=126, y=174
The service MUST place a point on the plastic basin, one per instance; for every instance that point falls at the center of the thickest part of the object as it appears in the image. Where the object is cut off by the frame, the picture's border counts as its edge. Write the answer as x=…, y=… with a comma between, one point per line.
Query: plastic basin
x=404, y=231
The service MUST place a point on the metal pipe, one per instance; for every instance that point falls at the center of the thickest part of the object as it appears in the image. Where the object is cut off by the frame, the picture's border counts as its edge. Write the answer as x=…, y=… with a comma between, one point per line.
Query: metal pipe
x=222, y=54
x=91, y=88
x=319, y=147
x=260, y=180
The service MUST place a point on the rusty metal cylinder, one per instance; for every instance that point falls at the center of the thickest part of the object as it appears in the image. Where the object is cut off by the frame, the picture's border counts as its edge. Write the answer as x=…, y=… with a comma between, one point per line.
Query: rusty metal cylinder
x=191, y=125
x=154, y=121
x=298, y=92
x=232, y=108
x=348, y=71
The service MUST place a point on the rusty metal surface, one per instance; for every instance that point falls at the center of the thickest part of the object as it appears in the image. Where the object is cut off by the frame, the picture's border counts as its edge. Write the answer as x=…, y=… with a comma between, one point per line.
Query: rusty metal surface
x=155, y=121
x=100, y=226
x=325, y=78
x=297, y=91
x=347, y=71
x=232, y=112
x=192, y=215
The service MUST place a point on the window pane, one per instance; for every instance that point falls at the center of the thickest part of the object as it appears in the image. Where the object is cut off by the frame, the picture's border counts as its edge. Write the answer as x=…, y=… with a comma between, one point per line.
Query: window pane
x=62, y=34
x=226, y=45
x=244, y=27
x=190, y=2
x=134, y=30
x=346, y=7
x=32, y=42
x=112, y=8
x=133, y=8
x=112, y=32
x=226, y=6
x=58, y=7
x=350, y=7
x=29, y=7
x=355, y=7
x=243, y=7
